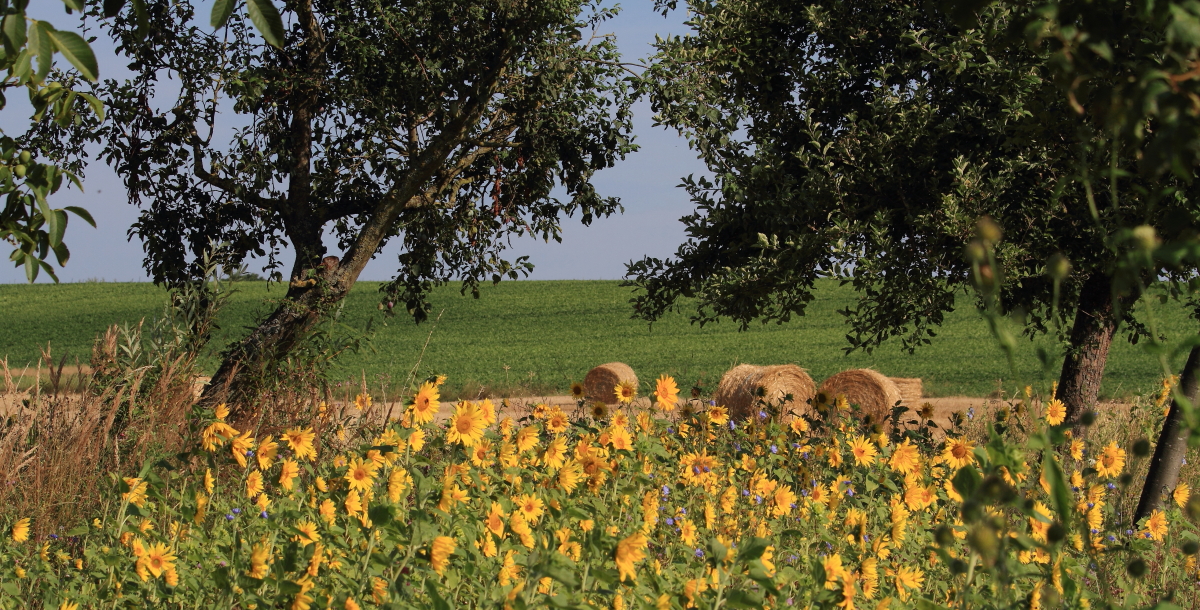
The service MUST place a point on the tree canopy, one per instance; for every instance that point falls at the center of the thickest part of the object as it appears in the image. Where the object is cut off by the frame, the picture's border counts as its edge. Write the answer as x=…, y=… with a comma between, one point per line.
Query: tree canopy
x=446, y=125
x=864, y=140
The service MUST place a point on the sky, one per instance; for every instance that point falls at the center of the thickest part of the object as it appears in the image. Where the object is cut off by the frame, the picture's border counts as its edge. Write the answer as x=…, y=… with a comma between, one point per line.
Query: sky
x=646, y=183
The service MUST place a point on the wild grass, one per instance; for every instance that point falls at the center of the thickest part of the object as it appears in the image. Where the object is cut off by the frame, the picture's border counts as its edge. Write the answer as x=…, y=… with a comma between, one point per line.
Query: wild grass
x=535, y=338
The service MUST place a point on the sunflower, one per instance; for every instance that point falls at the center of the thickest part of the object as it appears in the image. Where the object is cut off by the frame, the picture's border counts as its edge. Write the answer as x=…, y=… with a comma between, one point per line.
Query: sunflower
x=599, y=411
x=363, y=402
x=481, y=454
x=353, y=503
x=527, y=438
x=398, y=481
x=439, y=553
x=784, y=499
x=254, y=484
x=569, y=476
x=625, y=391
x=361, y=474
x=666, y=393
x=1182, y=494
x=687, y=532
x=495, y=520
x=555, y=453
x=630, y=551
x=834, y=571
x=306, y=533
x=577, y=391
x=452, y=495
x=863, y=450
x=158, y=559
x=259, y=561
x=905, y=458
x=958, y=453
x=1056, y=412
x=799, y=425
x=1111, y=461
x=137, y=491
x=556, y=421
x=718, y=415
x=301, y=442
x=620, y=438
x=530, y=506
x=425, y=403
x=699, y=468
x=241, y=447
x=328, y=511
x=487, y=411
x=509, y=570
x=1156, y=525
x=20, y=530
x=1076, y=449
x=908, y=579
x=216, y=434
x=288, y=472
x=466, y=425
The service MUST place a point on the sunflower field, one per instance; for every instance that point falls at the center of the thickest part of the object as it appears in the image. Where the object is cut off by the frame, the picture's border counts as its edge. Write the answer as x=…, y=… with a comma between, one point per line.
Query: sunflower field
x=667, y=504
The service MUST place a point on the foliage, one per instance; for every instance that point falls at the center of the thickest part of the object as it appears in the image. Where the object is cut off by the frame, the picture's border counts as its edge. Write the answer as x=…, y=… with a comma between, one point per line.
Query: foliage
x=535, y=338
x=26, y=181
x=643, y=508
x=367, y=122
x=863, y=142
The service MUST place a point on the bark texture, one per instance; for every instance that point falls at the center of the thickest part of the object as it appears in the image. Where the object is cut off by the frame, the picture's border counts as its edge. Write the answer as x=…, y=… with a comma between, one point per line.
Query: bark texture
x=1091, y=337
x=1172, y=443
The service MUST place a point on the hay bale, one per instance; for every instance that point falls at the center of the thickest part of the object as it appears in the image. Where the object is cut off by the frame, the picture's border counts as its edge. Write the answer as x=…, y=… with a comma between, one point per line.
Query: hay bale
x=874, y=393
x=740, y=387
x=601, y=382
x=911, y=390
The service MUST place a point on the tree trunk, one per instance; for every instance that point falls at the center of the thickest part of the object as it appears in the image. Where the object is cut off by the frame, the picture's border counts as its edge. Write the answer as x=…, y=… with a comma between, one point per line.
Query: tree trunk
x=1091, y=336
x=1172, y=443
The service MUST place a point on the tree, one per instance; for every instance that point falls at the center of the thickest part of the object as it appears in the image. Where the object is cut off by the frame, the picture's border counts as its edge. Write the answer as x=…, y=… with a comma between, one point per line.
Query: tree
x=864, y=140
x=441, y=123
x=1144, y=98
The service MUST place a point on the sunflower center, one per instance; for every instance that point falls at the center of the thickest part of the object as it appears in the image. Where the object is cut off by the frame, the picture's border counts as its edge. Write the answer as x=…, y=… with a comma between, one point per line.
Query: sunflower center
x=464, y=424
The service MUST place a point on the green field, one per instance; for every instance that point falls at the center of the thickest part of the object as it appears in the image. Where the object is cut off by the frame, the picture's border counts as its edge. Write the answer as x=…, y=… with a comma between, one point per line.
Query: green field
x=544, y=335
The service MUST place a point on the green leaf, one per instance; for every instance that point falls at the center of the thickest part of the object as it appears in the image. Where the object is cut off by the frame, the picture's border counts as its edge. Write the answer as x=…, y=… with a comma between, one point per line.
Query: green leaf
x=42, y=46
x=742, y=599
x=966, y=481
x=14, y=32
x=79, y=531
x=82, y=213
x=438, y=601
x=1059, y=492
x=77, y=51
x=221, y=11
x=266, y=19
x=112, y=7
x=753, y=549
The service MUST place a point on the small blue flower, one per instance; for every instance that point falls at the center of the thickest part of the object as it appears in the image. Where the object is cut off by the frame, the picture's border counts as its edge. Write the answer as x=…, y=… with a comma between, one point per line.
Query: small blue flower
x=699, y=553
x=683, y=511
x=249, y=453
x=757, y=499
x=263, y=514
x=229, y=517
x=762, y=414
x=54, y=536
x=1111, y=486
x=774, y=449
x=237, y=511
x=1128, y=532
x=737, y=447
x=745, y=492
x=805, y=454
x=804, y=492
x=670, y=521
x=793, y=505
x=1090, y=504
x=795, y=445
x=666, y=491
x=1184, y=461
x=971, y=413
x=1112, y=538
x=850, y=492
x=732, y=425
x=670, y=430
x=1095, y=531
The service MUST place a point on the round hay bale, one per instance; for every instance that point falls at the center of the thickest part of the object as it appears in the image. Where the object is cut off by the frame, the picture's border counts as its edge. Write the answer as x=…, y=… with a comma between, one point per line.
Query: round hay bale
x=911, y=390
x=874, y=394
x=742, y=386
x=601, y=382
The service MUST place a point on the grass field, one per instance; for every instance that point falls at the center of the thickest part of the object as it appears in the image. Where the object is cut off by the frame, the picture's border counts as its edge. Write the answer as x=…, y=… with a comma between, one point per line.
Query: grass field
x=541, y=336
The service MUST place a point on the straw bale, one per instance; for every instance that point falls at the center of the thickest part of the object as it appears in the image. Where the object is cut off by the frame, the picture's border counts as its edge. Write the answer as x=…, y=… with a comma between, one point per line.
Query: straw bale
x=911, y=390
x=739, y=389
x=601, y=382
x=874, y=394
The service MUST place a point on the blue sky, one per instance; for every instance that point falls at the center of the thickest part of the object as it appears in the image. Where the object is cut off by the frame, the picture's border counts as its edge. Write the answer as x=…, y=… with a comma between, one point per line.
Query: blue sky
x=646, y=182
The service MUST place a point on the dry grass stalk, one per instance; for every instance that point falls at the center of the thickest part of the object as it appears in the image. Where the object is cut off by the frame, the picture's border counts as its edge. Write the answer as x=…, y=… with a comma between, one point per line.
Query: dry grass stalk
x=873, y=393
x=744, y=385
x=601, y=382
